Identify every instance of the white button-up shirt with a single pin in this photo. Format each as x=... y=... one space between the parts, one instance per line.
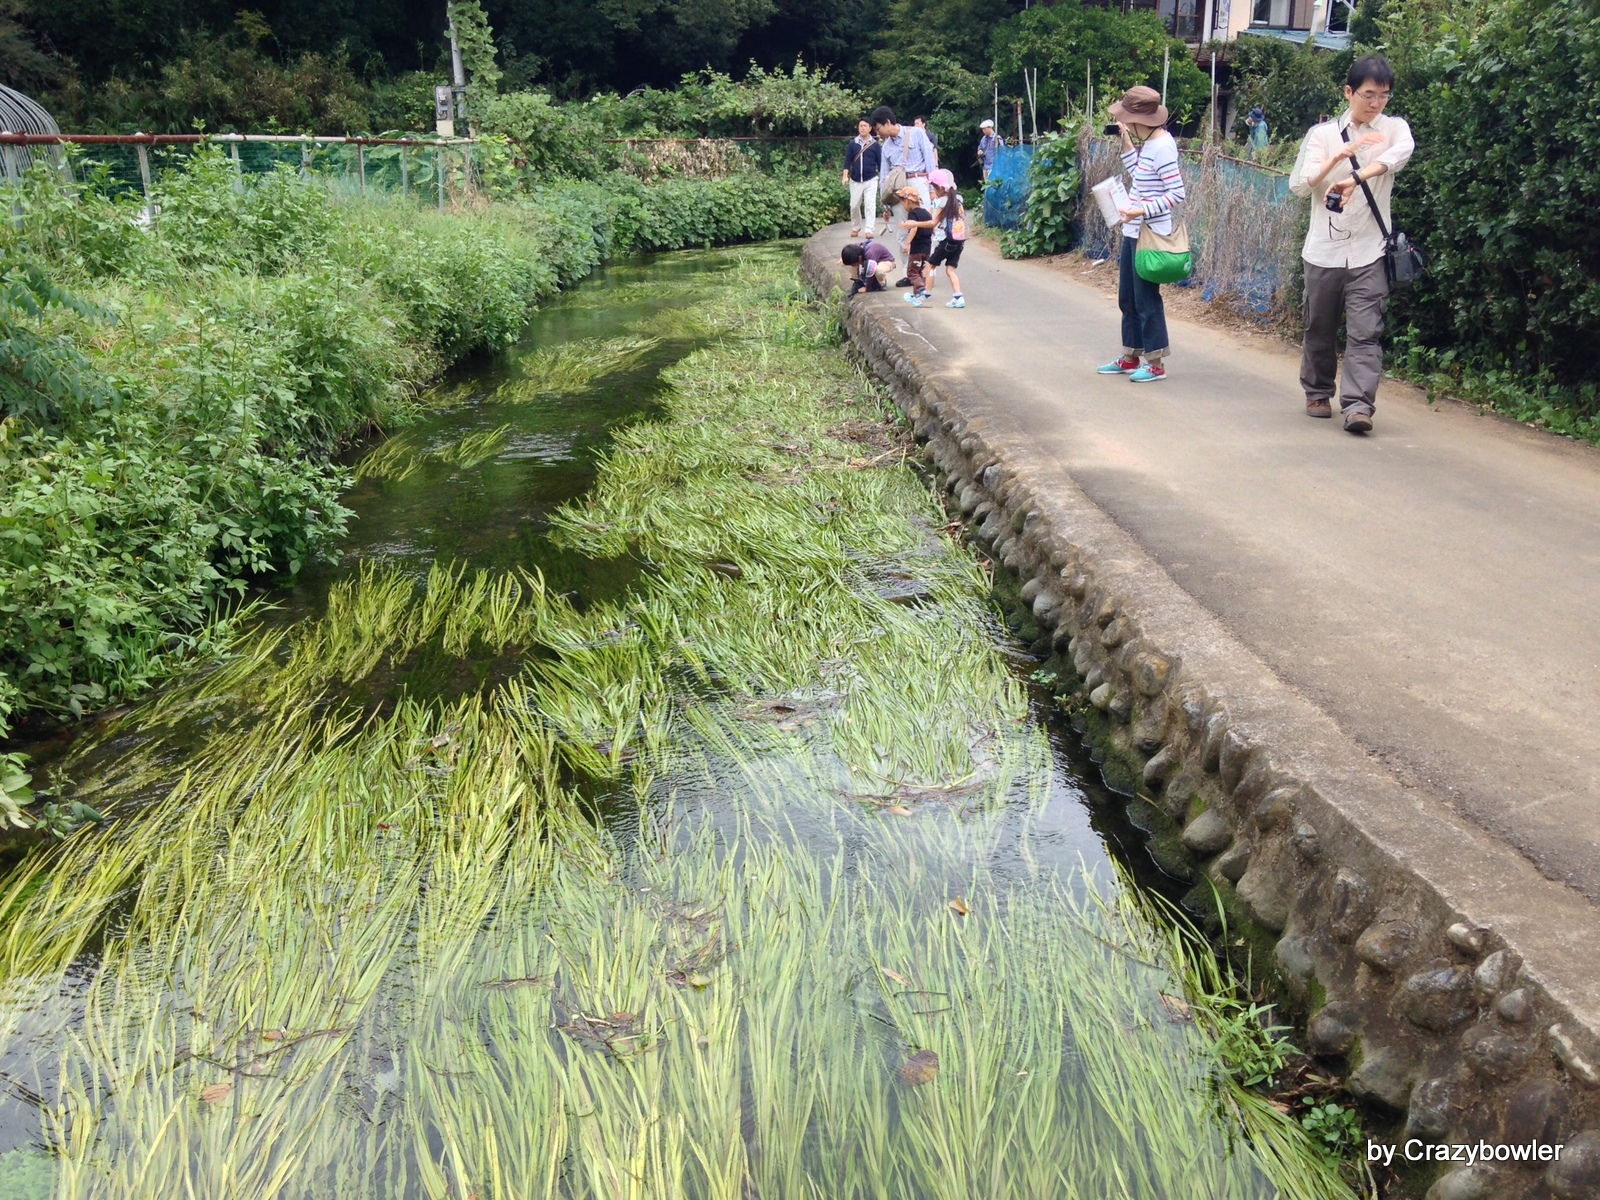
x=1350 y=238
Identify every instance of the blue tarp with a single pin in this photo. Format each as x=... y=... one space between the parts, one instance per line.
x=1006 y=195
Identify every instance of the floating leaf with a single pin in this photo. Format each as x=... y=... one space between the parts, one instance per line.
x=216 y=1093
x=1177 y=1008
x=920 y=1068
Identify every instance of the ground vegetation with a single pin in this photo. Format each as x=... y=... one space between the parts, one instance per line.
x=822 y=958
x=176 y=392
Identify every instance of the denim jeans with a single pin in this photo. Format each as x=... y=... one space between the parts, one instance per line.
x=1144 y=317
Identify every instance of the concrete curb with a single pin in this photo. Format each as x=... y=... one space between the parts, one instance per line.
x=1453 y=982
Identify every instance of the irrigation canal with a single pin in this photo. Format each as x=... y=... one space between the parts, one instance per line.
x=649 y=803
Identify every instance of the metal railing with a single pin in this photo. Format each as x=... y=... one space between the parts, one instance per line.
x=403 y=151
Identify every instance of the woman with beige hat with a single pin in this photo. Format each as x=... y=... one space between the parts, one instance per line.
x=1150 y=156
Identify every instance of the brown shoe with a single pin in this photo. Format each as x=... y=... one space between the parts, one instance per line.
x=1318 y=408
x=1356 y=421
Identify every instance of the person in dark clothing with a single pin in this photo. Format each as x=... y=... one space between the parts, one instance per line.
x=873 y=264
x=919 y=241
x=861 y=161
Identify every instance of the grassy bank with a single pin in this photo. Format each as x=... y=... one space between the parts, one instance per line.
x=174 y=395
x=382 y=948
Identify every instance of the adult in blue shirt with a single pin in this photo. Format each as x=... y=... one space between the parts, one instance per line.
x=906 y=151
x=861 y=158
x=988 y=147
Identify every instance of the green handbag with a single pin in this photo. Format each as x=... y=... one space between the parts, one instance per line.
x=1163 y=257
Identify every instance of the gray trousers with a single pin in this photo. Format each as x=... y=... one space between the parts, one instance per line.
x=1359 y=295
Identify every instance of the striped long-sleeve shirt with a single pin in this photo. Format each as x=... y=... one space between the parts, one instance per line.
x=1157 y=183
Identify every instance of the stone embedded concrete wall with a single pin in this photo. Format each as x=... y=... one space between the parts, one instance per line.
x=1452 y=983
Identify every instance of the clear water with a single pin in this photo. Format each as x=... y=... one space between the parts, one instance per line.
x=1049 y=822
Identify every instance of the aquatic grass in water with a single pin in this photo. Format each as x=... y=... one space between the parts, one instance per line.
x=371 y=944
x=399 y=458
x=572 y=367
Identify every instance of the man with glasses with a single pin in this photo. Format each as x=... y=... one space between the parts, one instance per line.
x=1344 y=247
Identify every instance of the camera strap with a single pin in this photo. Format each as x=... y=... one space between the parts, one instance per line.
x=1388 y=238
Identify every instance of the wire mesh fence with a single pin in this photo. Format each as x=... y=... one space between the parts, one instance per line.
x=1245 y=227
x=433 y=170
x=1005 y=196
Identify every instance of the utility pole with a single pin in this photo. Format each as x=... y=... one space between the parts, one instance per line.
x=458 y=73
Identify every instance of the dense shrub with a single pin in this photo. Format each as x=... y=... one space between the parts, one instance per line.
x=1055 y=183
x=173 y=397
x=700 y=212
x=1503 y=193
x=1296 y=86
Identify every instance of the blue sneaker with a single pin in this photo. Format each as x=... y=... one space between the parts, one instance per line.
x=1123 y=366
x=957 y=302
x=917 y=299
x=1148 y=374
x=913 y=297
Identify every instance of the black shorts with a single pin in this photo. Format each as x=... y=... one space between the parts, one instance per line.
x=947 y=253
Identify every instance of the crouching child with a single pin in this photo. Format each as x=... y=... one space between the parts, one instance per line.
x=871 y=263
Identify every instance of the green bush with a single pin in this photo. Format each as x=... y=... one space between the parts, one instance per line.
x=1294 y=85
x=747 y=207
x=1054 y=185
x=173 y=398
x=1064 y=40
x=1502 y=196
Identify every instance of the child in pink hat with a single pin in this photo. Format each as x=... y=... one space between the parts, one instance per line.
x=950 y=232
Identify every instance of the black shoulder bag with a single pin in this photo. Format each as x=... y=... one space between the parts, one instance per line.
x=1402 y=261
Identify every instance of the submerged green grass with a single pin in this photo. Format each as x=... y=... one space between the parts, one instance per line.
x=370 y=944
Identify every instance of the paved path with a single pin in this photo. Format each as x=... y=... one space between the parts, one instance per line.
x=1434 y=587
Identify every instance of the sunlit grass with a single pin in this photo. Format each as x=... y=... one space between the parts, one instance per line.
x=572 y=367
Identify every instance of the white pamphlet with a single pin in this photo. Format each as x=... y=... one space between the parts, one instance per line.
x=1112 y=198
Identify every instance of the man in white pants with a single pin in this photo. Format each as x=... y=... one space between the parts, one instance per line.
x=861 y=158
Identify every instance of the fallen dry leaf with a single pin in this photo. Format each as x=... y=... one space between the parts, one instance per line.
x=1177 y=1009
x=216 y=1093
x=959 y=907
x=920 y=1068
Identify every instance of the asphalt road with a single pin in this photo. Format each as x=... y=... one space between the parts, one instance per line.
x=1433 y=586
